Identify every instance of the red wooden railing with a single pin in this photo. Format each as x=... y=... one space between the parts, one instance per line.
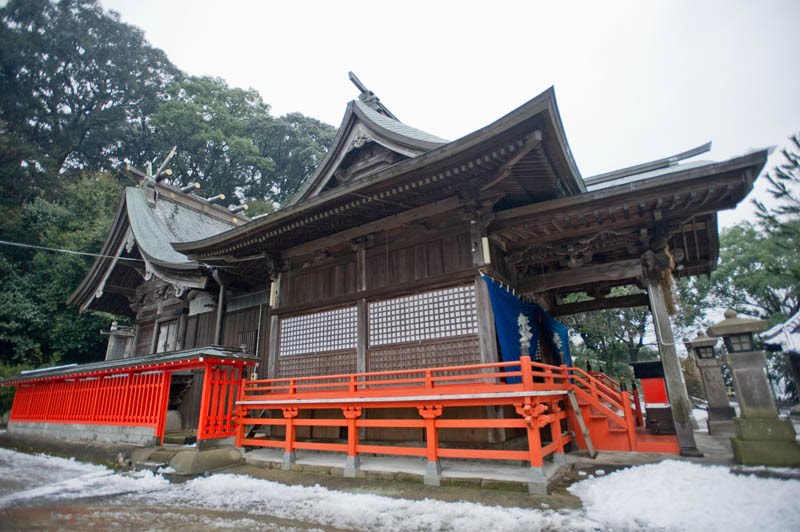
x=130 y=399
x=135 y=394
x=539 y=401
x=220 y=389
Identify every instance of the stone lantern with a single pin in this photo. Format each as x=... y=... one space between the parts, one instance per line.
x=720 y=412
x=762 y=438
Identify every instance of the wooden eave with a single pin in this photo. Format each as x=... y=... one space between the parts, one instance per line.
x=615 y=224
x=469 y=162
x=119 y=278
x=355 y=120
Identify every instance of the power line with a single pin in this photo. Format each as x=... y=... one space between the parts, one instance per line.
x=68 y=251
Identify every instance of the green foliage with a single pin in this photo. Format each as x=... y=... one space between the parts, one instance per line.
x=784 y=180
x=82 y=93
x=611 y=339
x=7 y=392
x=228 y=142
x=36 y=326
x=72 y=77
x=758 y=274
x=691 y=375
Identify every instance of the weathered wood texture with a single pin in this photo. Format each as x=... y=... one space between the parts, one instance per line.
x=430 y=353
x=333 y=363
x=199 y=330
x=387 y=266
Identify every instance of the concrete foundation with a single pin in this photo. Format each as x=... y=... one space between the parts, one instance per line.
x=351 y=465
x=90 y=433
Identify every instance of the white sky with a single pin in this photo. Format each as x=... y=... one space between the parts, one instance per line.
x=635 y=81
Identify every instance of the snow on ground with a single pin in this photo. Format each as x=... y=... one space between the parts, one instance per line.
x=685 y=496
x=671 y=496
x=37 y=477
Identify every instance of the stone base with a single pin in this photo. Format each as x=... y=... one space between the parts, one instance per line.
x=85 y=432
x=723 y=427
x=433 y=474
x=766 y=452
x=766 y=428
x=721 y=413
x=659 y=420
x=769 y=441
x=351 y=466
x=195 y=462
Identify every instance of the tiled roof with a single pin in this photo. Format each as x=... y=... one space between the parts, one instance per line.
x=397 y=127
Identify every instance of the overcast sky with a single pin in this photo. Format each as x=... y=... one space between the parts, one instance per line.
x=634 y=81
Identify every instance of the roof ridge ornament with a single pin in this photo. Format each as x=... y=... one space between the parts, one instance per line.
x=370 y=98
x=150 y=178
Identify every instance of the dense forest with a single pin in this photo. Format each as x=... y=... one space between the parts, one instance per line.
x=83 y=93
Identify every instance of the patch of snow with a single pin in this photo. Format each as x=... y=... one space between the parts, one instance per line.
x=31 y=477
x=318 y=505
x=600 y=472
x=168 y=469
x=680 y=496
x=668 y=496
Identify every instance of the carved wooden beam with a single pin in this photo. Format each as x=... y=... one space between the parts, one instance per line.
x=402 y=218
x=533 y=140
x=632 y=300
x=614 y=271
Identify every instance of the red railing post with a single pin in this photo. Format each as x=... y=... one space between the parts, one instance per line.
x=630 y=420
x=351 y=465
x=205 y=403
x=163 y=404
x=433 y=468
x=534 y=421
x=527 y=372
x=289 y=456
x=637 y=401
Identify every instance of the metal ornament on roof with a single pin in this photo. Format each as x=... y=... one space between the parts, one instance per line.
x=149 y=177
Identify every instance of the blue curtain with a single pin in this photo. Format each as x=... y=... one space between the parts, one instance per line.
x=507 y=307
x=557 y=335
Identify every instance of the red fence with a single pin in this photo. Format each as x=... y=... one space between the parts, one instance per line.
x=133 y=399
x=220 y=389
x=539 y=404
x=133 y=395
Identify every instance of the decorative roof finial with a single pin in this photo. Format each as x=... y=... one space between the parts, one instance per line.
x=369 y=97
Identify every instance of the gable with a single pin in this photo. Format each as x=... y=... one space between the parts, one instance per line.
x=367 y=142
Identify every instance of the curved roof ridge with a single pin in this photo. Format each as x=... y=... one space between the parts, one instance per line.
x=396 y=126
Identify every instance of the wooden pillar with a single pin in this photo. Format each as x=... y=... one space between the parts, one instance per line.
x=180 y=339
x=673 y=374
x=486 y=332
x=220 y=315
x=362 y=309
x=273 y=348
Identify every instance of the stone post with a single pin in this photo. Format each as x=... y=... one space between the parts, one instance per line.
x=762 y=438
x=720 y=412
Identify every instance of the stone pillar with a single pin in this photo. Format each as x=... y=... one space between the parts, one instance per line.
x=762 y=438
x=720 y=412
x=673 y=374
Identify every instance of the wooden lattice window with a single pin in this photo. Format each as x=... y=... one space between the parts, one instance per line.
x=331 y=330
x=425 y=316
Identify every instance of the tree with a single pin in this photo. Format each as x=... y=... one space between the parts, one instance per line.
x=758 y=274
x=229 y=143
x=72 y=77
x=614 y=337
x=36 y=326
x=784 y=182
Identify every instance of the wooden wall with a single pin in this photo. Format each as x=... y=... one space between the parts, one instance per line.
x=387 y=265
